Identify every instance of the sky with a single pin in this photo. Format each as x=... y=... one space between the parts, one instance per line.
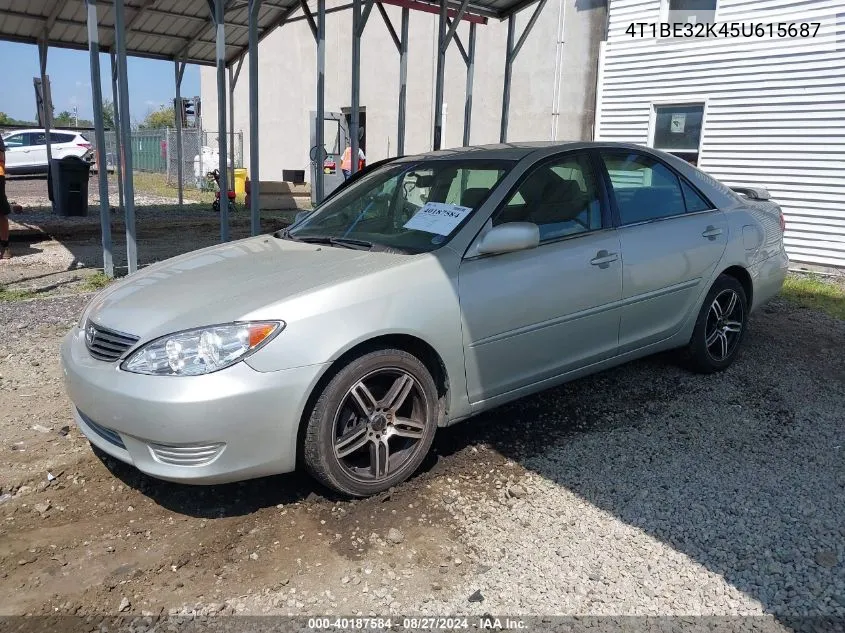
x=151 y=82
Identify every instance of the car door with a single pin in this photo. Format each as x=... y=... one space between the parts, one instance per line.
x=17 y=151
x=671 y=238
x=38 y=150
x=62 y=145
x=532 y=315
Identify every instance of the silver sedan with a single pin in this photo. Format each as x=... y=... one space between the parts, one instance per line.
x=426 y=290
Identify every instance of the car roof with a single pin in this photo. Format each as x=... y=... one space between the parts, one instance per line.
x=40 y=129
x=518 y=151
x=718 y=193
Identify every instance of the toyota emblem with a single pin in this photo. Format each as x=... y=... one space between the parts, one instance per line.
x=90 y=332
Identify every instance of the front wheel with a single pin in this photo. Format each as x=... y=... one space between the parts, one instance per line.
x=373 y=423
x=720 y=327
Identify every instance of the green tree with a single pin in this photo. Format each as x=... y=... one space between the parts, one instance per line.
x=63 y=119
x=155 y=119
x=108 y=114
x=5 y=119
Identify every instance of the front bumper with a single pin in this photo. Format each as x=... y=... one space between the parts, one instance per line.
x=234 y=424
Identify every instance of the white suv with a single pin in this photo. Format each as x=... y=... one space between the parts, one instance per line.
x=26 y=150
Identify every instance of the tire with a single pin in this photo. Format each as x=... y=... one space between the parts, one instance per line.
x=373 y=423
x=719 y=328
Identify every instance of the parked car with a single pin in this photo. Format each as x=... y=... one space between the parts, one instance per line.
x=432 y=288
x=26 y=150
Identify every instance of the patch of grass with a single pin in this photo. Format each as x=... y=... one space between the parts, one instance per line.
x=816 y=292
x=156 y=184
x=16 y=295
x=97 y=281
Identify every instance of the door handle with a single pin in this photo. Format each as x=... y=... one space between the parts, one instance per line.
x=711 y=232
x=603 y=259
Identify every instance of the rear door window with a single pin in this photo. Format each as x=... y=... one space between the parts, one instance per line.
x=694 y=201
x=644 y=188
x=61 y=138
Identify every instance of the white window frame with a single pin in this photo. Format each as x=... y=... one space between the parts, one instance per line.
x=662 y=103
x=664 y=11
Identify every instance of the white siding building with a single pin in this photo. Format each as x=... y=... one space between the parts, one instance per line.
x=750 y=110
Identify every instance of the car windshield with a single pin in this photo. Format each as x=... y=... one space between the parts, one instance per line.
x=412 y=207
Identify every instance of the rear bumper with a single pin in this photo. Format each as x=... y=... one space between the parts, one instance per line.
x=234 y=424
x=768 y=277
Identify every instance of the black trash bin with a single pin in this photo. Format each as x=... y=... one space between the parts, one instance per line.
x=68 y=184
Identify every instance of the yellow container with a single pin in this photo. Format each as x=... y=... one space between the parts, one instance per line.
x=240 y=184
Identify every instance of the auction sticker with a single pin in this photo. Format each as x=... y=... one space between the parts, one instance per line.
x=438 y=218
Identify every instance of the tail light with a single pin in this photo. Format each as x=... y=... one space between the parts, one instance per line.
x=782 y=223
x=85 y=145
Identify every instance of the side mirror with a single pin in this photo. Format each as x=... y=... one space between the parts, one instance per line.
x=509 y=237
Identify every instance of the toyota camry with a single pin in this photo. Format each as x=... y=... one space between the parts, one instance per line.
x=426 y=290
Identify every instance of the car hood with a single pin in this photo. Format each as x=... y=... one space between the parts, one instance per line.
x=228 y=282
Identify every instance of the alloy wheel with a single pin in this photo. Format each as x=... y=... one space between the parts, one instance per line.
x=724 y=325
x=380 y=424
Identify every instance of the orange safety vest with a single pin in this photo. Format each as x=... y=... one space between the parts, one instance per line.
x=346 y=160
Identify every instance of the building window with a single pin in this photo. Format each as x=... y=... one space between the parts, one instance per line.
x=677 y=130
x=692 y=11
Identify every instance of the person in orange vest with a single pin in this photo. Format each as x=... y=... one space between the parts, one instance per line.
x=346 y=161
x=5 y=209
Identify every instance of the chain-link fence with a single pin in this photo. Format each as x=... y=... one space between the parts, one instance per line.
x=155 y=151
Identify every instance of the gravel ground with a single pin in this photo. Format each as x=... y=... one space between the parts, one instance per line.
x=644 y=490
x=53 y=253
x=31 y=191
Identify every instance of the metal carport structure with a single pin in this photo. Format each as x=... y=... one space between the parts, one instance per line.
x=221 y=33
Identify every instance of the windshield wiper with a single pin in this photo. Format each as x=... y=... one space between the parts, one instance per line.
x=343 y=242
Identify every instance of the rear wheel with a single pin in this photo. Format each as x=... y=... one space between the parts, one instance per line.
x=373 y=424
x=720 y=327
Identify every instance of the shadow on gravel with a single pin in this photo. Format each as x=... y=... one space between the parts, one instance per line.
x=743 y=472
x=220 y=501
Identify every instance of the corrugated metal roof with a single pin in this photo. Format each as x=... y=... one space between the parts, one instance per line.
x=168 y=29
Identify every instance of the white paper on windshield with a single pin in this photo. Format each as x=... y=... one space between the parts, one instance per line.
x=438 y=218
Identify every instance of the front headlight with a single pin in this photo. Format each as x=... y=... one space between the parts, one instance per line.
x=201 y=351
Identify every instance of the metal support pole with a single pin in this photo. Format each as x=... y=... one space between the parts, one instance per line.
x=46 y=98
x=254 y=183
x=403 y=80
x=470 y=75
x=125 y=131
x=221 y=119
x=179 y=69
x=506 y=91
x=321 y=100
x=232 y=81
x=116 y=131
x=356 y=83
x=99 y=135
x=441 y=70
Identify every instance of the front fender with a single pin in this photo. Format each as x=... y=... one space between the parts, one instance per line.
x=417 y=299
